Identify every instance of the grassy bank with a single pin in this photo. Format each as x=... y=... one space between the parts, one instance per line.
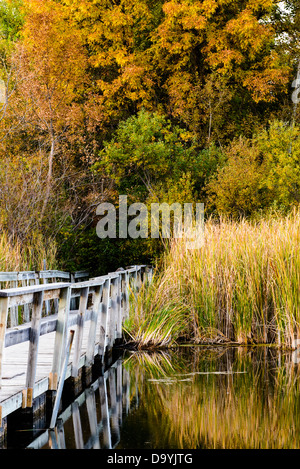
x=242 y=286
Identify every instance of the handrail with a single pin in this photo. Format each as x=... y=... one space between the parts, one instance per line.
x=103 y=301
x=25 y=278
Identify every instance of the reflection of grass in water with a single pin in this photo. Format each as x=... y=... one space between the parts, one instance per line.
x=253 y=403
x=156 y=365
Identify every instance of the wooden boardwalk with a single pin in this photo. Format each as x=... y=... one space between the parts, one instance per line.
x=33 y=354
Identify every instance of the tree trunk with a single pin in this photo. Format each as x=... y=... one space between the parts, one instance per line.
x=49 y=176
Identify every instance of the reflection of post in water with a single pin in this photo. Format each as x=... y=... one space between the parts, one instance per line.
x=115 y=429
x=77 y=426
x=126 y=390
x=92 y=415
x=57 y=436
x=104 y=413
x=119 y=390
x=96 y=412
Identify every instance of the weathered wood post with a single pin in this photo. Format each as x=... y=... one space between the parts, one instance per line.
x=125 y=295
x=114 y=306
x=119 y=319
x=14 y=310
x=4 y=302
x=149 y=273
x=61 y=380
x=57 y=436
x=60 y=336
x=138 y=278
x=25 y=282
x=73 y=300
x=96 y=313
x=33 y=349
x=105 y=318
x=44 y=281
x=84 y=292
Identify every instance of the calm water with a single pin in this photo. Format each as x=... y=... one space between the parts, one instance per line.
x=192 y=397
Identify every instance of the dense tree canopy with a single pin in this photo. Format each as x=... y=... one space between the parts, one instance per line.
x=161 y=100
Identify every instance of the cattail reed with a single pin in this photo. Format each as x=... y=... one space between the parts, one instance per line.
x=242 y=286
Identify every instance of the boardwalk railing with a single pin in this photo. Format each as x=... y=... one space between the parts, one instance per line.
x=19 y=315
x=103 y=307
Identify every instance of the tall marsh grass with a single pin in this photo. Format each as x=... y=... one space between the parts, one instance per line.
x=242 y=286
x=15 y=257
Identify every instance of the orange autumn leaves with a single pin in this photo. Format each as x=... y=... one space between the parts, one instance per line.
x=143 y=53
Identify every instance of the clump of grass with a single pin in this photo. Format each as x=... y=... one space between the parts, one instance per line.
x=156 y=324
x=16 y=257
x=241 y=286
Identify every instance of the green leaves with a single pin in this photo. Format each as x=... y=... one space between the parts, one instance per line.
x=145 y=151
x=260 y=173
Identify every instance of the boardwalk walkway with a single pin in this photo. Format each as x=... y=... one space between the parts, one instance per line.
x=32 y=354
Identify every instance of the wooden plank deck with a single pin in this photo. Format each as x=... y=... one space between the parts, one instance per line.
x=14 y=367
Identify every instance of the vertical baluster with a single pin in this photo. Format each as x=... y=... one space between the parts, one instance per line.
x=33 y=348
x=4 y=303
x=44 y=281
x=60 y=336
x=26 y=315
x=149 y=273
x=114 y=315
x=96 y=311
x=55 y=301
x=73 y=300
x=119 y=309
x=57 y=437
x=14 y=310
x=126 y=292
x=104 y=318
x=84 y=292
x=138 y=278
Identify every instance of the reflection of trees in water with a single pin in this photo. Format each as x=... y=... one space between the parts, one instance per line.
x=189 y=397
x=223 y=398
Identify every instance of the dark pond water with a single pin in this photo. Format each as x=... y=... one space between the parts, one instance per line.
x=187 y=398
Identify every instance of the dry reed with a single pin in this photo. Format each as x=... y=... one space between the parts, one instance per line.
x=242 y=285
x=15 y=257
